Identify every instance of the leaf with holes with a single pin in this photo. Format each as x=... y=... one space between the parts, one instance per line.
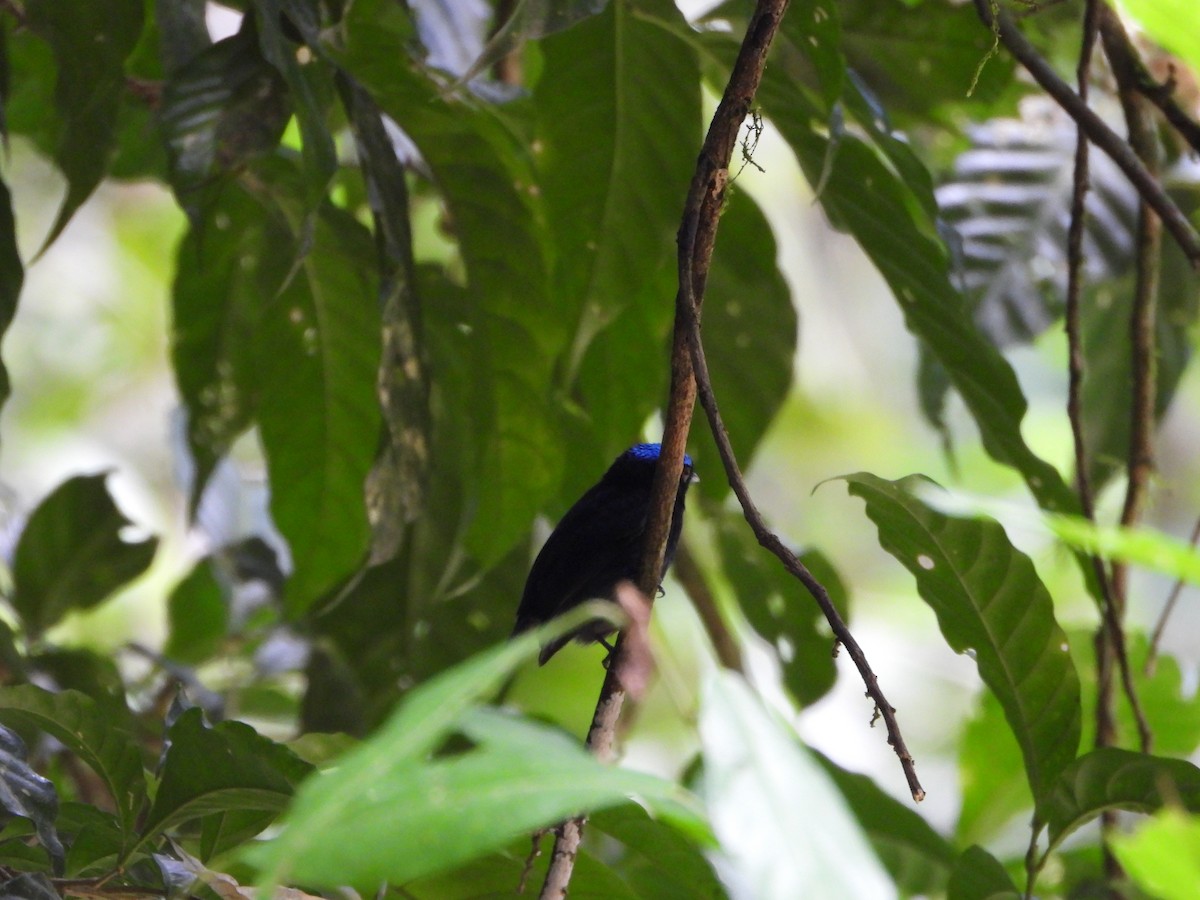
x=989 y=601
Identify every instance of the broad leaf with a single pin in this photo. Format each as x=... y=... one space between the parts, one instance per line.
x=1111 y=778
x=654 y=859
x=917 y=857
x=71 y=554
x=991 y=772
x=979 y=876
x=988 y=600
x=748 y=314
x=1162 y=857
x=763 y=791
x=390 y=812
x=197 y=615
x=90 y=42
x=89 y=731
x=215 y=771
x=619 y=100
x=25 y=793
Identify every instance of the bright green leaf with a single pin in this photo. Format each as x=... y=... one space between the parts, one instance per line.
x=71 y=554
x=988 y=600
x=1140 y=545
x=1163 y=855
x=1173 y=23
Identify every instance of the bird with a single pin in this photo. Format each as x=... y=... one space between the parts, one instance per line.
x=598 y=544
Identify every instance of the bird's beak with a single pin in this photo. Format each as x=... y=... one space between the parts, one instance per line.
x=693 y=478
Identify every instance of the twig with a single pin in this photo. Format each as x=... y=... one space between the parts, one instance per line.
x=697 y=233
x=771 y=542
x=1160 y=627
x=1100 y=134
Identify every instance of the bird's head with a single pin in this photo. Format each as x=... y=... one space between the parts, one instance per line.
x=648 y=454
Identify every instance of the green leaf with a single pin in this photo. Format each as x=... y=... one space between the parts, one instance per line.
x=71 y=555
x=779 y=611
x=889 y=218
x=317 y=355
x=979 y=876
x=618 y=125
x=94 y=837
x=1173 y=23
x=814 y=28
x=1140 y=545
x=89 y=731
x=90 y=41
x=390 y=812
x=748 y=313
x=29 y=886
x=917 y=857
x=992 y=774
x=214 y=771
x=1111 y=778
x=654 y=859
x=25 y=793
x=480 y=167
x=12 y=274
x=225 y=106
x=762 y=790
x=923 y=59
x=197 y=616
x=989 y=600
x=1162 y=857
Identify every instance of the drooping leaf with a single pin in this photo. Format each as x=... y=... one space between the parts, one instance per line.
x=93 y=733
x=619 y=99
x=989 y=600
x=889 y=218
x=390 y=812
x=991 y=771
x=90 y=43
x=978 y=875
x=485 y=178
x=71 y=554
x=748 y=314
x=1111 y=778
x=918 y=858
x=25 y=793
x=762 y=790
x=219 y=770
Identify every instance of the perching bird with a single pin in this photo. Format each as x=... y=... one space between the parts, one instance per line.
x=597 y=544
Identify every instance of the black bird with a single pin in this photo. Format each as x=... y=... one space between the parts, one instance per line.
x=597 y=544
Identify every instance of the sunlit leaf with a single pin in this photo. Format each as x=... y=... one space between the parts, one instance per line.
x=1173 y=23
x=71 y=554
x=1163 y=855
x=990 y=601
x=784 y=829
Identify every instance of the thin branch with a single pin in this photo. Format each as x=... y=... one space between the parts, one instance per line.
x=1160 y=627
x=697 y=234
x=771 y=542
x=1142 y=330
x=1101 y=135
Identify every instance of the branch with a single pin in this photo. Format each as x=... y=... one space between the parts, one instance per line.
x=697 y=233
x=1098 y=133
x=770 y=541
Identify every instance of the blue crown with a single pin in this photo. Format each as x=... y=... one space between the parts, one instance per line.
x=650 y=452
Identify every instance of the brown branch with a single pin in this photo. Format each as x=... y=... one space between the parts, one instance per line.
x=1142 y=328
x=1160 y=627
x=1148 y=187
x=770 y=541
x=697 y=234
